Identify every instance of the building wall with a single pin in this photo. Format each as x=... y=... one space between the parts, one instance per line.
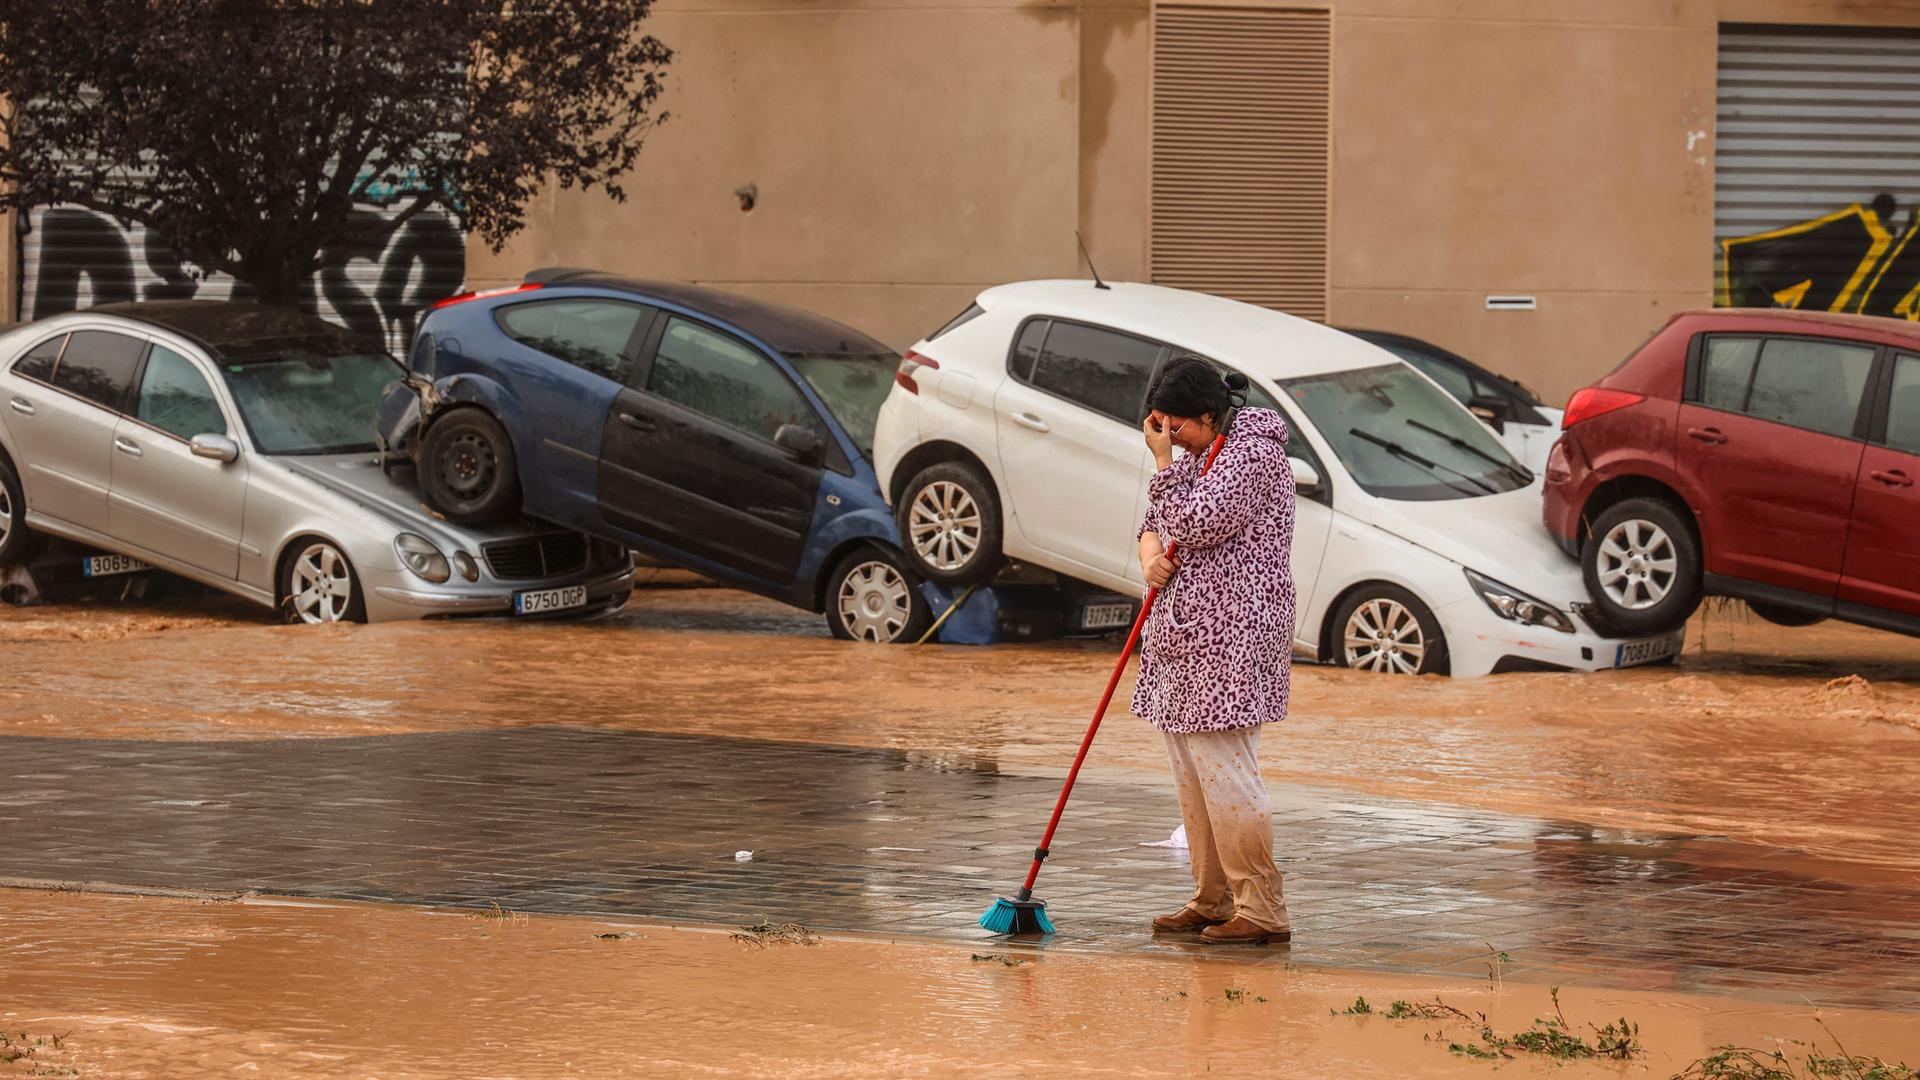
x=910 y=152
x=907 y=153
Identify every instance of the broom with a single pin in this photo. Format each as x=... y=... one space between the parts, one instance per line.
x=1022 y=914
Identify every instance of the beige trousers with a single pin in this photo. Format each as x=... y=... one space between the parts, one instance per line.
x=1223 y=801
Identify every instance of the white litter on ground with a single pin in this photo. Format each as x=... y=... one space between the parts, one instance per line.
x=1177 y=840
x=743 y=856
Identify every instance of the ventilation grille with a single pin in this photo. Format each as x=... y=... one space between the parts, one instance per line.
x=1240 y=154
x=537 y=557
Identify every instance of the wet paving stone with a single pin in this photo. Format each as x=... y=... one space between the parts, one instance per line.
x=643 y=824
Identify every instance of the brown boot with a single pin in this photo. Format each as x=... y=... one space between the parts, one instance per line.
x=1184 y=921
x=1240 y=931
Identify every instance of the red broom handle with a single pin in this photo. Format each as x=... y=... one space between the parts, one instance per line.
x=1119 y=668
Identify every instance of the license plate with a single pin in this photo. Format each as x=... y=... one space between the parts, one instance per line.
x=1631 y=653
x=1104 y=616
x=545 y=600
x=109 y=565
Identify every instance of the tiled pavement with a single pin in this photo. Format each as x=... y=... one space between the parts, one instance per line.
x=642 y=824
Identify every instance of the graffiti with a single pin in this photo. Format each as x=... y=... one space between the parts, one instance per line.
x=1854 y=259
x=75 y=258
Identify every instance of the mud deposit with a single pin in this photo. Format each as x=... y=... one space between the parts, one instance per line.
x=146 y=987
x=1806 y=740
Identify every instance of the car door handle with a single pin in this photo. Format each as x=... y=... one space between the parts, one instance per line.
x=638 y=424
x=22 y=406
x=1892 y=477
x=127 y=447
x=1030 y=421
x=1707 y=435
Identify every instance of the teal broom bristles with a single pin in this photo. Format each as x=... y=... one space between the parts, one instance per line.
x=1017 y=917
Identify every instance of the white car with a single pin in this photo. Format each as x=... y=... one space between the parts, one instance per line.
x=1014 y=431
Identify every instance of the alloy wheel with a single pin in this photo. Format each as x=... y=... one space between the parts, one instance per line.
x=322 y=585
x=1637 y=564
x=1382 y=635
x=945 y=525
x=876 y=602
x=6 y=513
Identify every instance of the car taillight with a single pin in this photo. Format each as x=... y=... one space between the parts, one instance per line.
x=1597 y=401
x=911 y=363
x=461 y=298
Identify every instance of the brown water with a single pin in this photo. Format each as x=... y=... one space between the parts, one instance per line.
x=144 y=987
x=1806 y=739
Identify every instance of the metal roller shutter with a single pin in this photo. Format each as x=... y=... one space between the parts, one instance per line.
x=72 y=258
x=1240 y=98
x=1817 y=170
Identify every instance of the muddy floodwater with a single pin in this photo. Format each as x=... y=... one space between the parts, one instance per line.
x=1806 y=740
x=146 y=987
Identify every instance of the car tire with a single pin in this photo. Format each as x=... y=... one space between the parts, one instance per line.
x=1385 y=628
x=1784 y=616
x=873 y=597
x=467 y=468
x=949 y=523
x=17 y=542
x=1641 y=564
x=318 y=585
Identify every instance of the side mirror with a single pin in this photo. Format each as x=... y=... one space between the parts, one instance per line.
x=1306 y=478
x=215 y=448
x=802 y=442
x=1492 y=409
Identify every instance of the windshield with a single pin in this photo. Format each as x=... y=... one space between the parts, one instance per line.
x=1403 y=438
x=854 y=388
x=312 y=403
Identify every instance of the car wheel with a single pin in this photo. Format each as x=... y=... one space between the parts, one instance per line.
x=1387 y=629
x=17 y=542
x=873 y=597
x=468 y=471
x=319 y=586
x=1642 y=567
x=1784 y=616
x=950 y=524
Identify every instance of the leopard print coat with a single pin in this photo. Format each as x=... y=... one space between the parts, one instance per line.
x=1216 y=653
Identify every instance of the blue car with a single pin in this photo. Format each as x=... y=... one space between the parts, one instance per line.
x=720 y=433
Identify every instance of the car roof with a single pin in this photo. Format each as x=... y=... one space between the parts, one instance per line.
x=1255 y=340
x=1807 y=320
x=232 y=329
x=787 y=329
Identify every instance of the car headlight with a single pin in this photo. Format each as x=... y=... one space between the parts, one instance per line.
x=419 y=555
x=1512 y=604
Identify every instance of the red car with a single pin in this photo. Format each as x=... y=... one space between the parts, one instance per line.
x=1765 y=455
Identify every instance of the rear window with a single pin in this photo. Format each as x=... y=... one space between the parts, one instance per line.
x=1800 y=382
x=99 y=366
x=973 y=312
x=1104 y=370
x=38 y=362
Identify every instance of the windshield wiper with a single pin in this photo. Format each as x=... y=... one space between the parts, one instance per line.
x=1433 y=467
x=1508 y=466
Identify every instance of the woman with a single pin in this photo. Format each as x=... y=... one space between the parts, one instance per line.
x=1216 y=654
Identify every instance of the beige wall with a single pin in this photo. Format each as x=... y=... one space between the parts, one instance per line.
x=907 y=155
x=911 y=152
x=1551 y=148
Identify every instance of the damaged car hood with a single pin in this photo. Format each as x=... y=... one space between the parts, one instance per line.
x=1499 y=536
x=359 y=477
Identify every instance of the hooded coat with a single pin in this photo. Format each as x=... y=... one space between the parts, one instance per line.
x=1216 y=653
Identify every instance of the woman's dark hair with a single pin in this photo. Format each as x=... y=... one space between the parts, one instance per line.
x=1192 y=386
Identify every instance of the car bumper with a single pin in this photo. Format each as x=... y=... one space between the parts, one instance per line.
x=401 y=596
x=1482 y=643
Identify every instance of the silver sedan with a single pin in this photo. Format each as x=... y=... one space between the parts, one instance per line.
x=233 y=444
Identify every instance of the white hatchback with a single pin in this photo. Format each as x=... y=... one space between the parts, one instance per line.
x=1014 y=431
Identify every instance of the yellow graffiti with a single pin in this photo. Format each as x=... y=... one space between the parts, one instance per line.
x=1881 y=238
x=1793 y=294
x=1906 y=307
x=1864 y=259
